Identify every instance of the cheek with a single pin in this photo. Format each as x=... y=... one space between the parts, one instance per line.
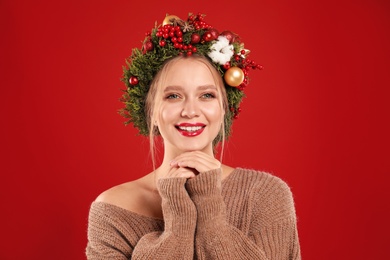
x=167 y=113
x=214 y=113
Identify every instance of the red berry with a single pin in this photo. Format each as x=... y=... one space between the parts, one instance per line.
x=162 y=43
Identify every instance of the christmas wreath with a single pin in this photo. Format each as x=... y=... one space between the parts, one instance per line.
x=178 y=37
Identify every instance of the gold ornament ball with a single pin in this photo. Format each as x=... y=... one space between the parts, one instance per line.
x=168 y=18
x=234 y=76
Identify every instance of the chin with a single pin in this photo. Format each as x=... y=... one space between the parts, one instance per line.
x=187 y=147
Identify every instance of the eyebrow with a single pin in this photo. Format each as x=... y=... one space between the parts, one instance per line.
x=176 y=88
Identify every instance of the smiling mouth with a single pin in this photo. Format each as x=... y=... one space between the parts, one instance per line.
x=190 y=130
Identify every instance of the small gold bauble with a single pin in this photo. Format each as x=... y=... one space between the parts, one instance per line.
x=168 y=19
x=234 y=76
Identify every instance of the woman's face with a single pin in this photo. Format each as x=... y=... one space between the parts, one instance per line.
x=190 y=115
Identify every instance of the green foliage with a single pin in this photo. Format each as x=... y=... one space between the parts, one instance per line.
x=144 y=65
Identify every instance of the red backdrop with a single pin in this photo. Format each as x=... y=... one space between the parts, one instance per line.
x=317 y=116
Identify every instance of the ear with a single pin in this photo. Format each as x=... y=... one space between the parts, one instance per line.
x=153 y=120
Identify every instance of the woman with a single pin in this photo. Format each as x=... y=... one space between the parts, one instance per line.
x=191 y=206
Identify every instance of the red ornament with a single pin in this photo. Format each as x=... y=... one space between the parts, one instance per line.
x=210 y=35
x=214 y=33
x=148 y=46
x=229 y=35
x=195 y=38
x=207 y=37
x=133 y=80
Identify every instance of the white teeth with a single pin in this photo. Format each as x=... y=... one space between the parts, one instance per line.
x=190 y=128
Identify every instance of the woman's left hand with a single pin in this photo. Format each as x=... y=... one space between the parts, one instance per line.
x=199 y=161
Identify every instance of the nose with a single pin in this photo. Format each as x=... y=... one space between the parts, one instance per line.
x=191 y=109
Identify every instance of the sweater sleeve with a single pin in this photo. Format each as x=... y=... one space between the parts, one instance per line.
x=116 y=239
x=177 y=240
x=271 y=238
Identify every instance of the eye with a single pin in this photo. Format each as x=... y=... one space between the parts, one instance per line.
x=208 y=96
x=172 y=96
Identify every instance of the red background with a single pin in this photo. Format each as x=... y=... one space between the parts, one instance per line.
x=317 y=116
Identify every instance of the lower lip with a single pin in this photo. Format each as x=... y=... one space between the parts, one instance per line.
x=190 y=134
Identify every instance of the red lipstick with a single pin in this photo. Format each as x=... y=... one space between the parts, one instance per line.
x=190 y=129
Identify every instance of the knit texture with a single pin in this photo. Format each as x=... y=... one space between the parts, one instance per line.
x=248 y=215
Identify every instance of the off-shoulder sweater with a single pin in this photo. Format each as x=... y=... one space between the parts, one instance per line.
x=248 y=215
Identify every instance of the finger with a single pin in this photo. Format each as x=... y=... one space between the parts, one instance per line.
x=196 y=160
x=196 y=155
x=177 y=172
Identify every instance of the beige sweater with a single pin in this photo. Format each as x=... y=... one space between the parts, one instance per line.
x=249 y=215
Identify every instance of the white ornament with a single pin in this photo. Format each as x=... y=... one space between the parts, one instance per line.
x=221 y=51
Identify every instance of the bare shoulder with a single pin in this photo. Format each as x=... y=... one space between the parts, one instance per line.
x=120 y=195
x=137 y=196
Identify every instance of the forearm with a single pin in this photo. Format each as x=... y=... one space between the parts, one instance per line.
x=268 y=230
x=177 y=239
x=223 y=241
x=215 y=238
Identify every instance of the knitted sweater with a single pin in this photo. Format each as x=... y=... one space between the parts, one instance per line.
x=248 y=215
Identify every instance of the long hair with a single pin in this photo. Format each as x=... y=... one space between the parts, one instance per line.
x=154 y=100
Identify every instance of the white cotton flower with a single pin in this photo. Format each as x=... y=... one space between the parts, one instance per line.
x=221 y=51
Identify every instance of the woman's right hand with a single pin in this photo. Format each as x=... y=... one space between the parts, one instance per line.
x=177 y=172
